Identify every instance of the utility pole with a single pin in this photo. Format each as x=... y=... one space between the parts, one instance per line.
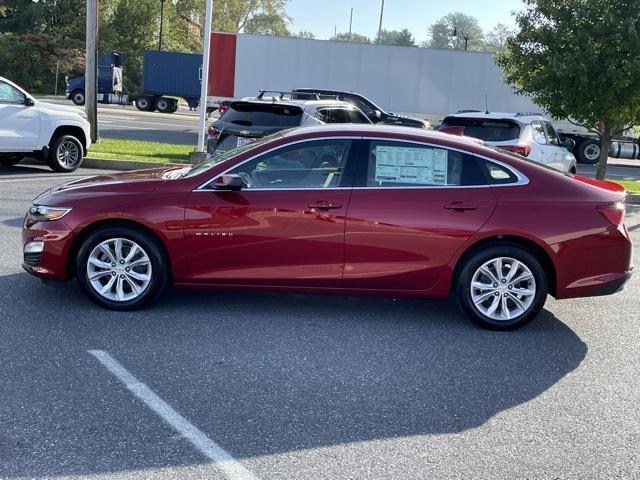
x=161 y=24
x=380 y=24
x=91 y=69
x=350 y=23
x=201 y=153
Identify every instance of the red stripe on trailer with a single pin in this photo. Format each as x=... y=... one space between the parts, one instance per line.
x=222 y=65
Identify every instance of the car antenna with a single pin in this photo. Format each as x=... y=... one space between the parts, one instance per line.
x=486 y=104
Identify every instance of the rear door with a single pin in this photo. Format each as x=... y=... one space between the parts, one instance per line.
x=285 y=227
x=413 y=205
x=560 y=155
x=540 y=151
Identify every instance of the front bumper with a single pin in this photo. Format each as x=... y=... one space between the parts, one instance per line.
x=51 y=263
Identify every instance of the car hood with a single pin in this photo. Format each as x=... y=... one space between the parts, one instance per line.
x=54 y=107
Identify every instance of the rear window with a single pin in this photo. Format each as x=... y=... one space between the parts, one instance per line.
x=489 y=130
x=251 y=114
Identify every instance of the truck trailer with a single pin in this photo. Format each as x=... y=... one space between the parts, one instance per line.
x=166 y=77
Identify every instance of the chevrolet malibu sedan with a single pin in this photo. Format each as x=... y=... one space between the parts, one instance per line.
x=351 y=209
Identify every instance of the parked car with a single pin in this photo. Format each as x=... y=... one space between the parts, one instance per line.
x=252 y=118
x=527 y=134
x=370 y=109
x=55 y=133
x=394 y=211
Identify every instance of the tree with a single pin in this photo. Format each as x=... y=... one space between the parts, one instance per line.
x=579 y=59
x=355 y=38
x=441 y=32
x=496 y=39
x=303 y=34
x=267 y=24
x=402 y=38
x=56 y=18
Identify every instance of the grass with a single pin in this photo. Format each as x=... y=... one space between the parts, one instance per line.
x=631 y=186
x=140 y=151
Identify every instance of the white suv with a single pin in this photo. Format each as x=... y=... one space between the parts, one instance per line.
x=55 y=133
x=527 y=134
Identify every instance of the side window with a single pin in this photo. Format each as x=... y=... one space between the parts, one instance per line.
x=356 y=116
x=538 y=133
x=9 y=94
x=317 y=164
x=497 y=174
x=551 y=133
x=397 y=164
x=338 y=115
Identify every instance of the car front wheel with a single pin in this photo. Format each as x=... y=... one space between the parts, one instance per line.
x=121 y=268
x=65 y=154
x=502 y=287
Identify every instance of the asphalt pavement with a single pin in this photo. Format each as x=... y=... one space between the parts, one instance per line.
x=306 y=387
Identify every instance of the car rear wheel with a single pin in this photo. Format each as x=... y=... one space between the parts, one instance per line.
x=65 y=154
x=121 y=268
x=502 y=287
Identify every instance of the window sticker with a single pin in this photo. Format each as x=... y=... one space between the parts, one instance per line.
x=420 y=166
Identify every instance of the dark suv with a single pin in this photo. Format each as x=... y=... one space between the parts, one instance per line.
x=247 y=120
x=370 y=109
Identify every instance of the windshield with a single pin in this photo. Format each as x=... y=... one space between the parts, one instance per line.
x=229 y=154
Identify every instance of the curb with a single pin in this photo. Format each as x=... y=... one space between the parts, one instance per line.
x=632 y=199
x=109 y=164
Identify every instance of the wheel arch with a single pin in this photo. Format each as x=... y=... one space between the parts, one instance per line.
x=89 y=228
x=71 y=130
x=527 y=244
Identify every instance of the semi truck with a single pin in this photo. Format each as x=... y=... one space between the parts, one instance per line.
x=166 y=78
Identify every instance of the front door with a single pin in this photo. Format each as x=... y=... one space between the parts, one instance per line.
x=19 y=123
x=286 y=225
x=413 y=206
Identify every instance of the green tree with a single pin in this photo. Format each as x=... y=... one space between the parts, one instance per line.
x=355 y=38
x=304 y=34
x=267 y=24
x=441 y=32
x=402 y=38
x=56 y=18
x=496 y=39
x=579 y=59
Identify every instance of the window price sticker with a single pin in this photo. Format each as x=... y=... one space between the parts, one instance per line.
x=420 y=166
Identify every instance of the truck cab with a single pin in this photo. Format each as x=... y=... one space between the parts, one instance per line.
x=29 y=127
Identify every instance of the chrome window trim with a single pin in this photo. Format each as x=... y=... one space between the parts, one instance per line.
x=521 y=178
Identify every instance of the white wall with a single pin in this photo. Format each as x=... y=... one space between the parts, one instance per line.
x=401 y=79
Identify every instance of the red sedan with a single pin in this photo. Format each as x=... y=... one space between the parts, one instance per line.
x=340 y=209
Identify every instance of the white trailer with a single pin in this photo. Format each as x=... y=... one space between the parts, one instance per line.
x=423 y=82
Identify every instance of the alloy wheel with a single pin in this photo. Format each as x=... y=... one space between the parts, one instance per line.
x=68 y=153
x=119 y=269
x=503 y=288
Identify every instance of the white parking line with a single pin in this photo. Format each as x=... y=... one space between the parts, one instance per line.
x=210 y=449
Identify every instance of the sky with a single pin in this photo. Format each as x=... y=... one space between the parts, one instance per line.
x=320 y=16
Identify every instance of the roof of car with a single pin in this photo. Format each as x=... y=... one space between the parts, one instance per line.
x=524 y=117
x=297 y=103
x=371 y=130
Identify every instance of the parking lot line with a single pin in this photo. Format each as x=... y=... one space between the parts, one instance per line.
x=231 y=468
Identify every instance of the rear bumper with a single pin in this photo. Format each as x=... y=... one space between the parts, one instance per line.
x=611 y=287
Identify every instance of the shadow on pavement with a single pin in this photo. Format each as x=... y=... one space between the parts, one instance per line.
x=259 y=373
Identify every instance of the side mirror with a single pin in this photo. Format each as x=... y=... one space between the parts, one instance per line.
x=228 y=182
x=569 y=144
x=378 y=114
x=29 y=102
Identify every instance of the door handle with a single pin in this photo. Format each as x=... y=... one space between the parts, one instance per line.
x=324 y=205
x=460 y=206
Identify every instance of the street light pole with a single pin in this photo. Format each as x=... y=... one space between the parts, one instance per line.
x=200 y=150
x=91 y=70
x=161 y=24
x=350 y=23
x=380 y=24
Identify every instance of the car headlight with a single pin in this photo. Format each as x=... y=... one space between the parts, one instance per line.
x=42 y=213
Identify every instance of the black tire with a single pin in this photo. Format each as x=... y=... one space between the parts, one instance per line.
x=152 y=248
x=478 y=259
x=77 y=97
x=588 y=152
x=10 y=160
x=145 y=104
x=166 y=105
x=58 y=146
x=174 y=108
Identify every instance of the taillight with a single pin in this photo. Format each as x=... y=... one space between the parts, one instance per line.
x=213 y=131
x=223 y=107
x=523 y=150
x=614 y=213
